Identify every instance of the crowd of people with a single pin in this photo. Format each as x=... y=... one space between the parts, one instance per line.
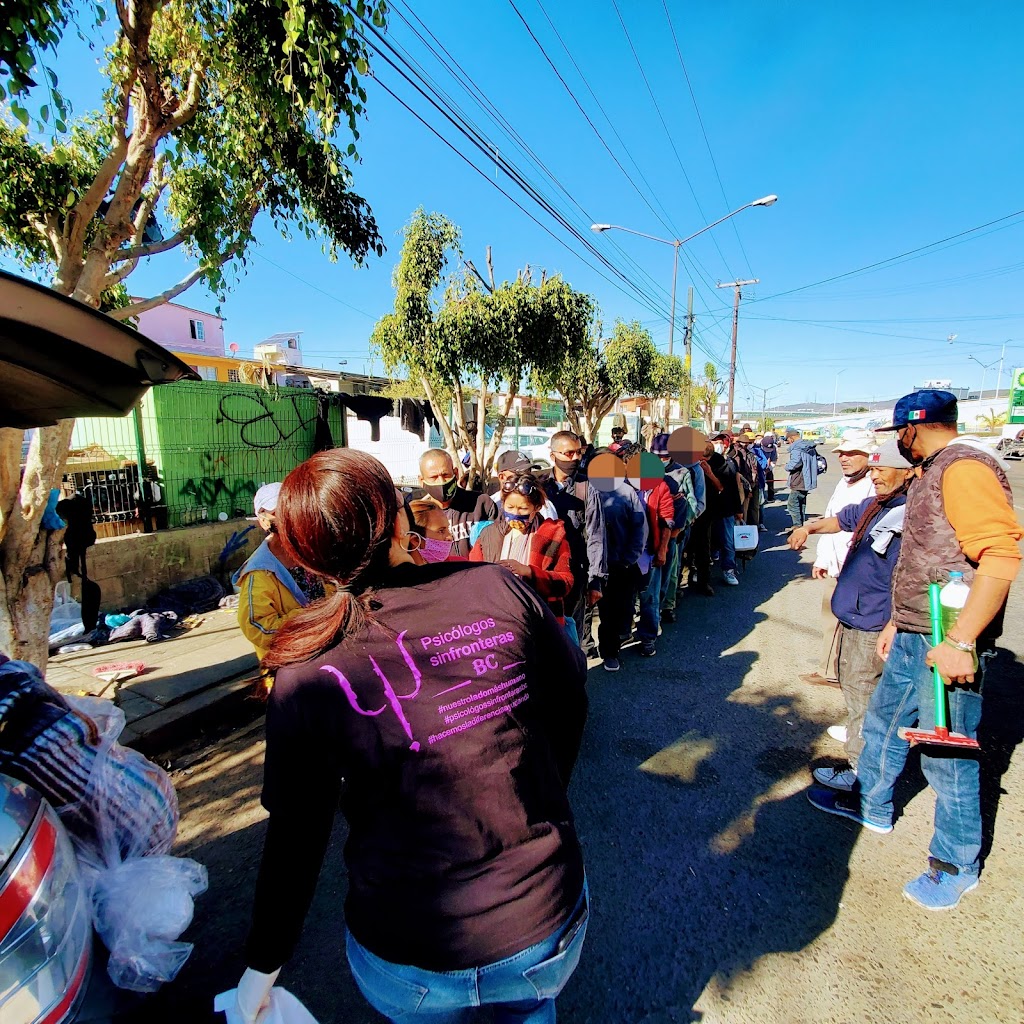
x=443 y=702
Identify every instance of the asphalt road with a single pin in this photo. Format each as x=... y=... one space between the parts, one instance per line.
x=719 y=895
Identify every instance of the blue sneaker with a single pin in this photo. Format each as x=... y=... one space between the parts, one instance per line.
x=940 y=887
x=846 y=805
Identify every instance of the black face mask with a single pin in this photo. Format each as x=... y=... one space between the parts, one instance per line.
x=443 y=492
x=914 y=460
x=567 y=466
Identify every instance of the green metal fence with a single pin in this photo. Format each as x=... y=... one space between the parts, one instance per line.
x=206 y=448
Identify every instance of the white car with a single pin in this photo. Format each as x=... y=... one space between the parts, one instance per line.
x=534 y=443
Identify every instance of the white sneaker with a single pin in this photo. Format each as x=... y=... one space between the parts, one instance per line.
x=836 y=778
x=838 y=733
x=729 y=576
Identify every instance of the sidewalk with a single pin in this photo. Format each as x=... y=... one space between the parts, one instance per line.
x=187 y=682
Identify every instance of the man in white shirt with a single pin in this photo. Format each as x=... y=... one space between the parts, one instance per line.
x=854 y=486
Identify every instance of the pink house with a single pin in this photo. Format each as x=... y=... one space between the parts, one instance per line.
x=183 y=329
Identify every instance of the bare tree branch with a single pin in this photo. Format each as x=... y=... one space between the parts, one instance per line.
x=480 y=277
x=188 y=107
x=137 y=252
x=158 y=300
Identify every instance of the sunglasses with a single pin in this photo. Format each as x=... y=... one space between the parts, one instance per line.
x=572 y=453
x=523 y=487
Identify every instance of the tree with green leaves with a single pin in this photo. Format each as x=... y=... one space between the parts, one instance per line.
x=668 y=378
x=592 y=378
x=706 y=395
x=213 y=112
x=450 y=333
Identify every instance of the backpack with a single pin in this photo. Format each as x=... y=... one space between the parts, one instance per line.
x=822 y=464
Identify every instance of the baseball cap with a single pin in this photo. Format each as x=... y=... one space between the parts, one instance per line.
x=888 y=456
x=265 y=498
x=925 y=406
x=857 y=441
x=659 y=444
x=513 y=462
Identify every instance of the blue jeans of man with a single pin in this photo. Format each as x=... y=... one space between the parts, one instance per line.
x=726 y=536
x=520 y=989
x=650 y=605
x=905 y=698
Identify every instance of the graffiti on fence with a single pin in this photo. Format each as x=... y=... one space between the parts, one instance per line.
x=206 y=490
x=253 y=415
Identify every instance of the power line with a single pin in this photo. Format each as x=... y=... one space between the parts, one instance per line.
x=664 y=124
x=707 y=141
x=309 y=284
x=920 y=250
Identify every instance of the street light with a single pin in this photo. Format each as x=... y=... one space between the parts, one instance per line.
x=985 y=367
x=764 y=396
x=835 y=394
x=676 y=243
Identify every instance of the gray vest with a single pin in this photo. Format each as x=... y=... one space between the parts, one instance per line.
x=930 y=550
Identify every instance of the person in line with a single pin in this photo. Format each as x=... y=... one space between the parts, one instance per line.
x=959 y=518
x=579 y=507
x=853 y=487
x=461 y=507
x=618 y=436
x=802 y=467
x=742 y=454
x=770 y=447
x=684 y=498
x=525 y=543
x=861 y=601
x=728 y=509
x=508 y=466
x=269 y=591
x=659 y=507
x=763 y=468
x=429 y=539
x=707 y=487
x=626 y=530
x=465 y=874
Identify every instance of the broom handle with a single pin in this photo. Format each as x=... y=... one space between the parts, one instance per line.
x=935 y=609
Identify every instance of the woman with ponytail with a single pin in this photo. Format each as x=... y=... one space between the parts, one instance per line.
x=452 y=703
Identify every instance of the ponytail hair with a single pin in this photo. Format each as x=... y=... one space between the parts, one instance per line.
x=336 y=517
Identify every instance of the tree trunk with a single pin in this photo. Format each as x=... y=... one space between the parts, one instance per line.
x=29 y=555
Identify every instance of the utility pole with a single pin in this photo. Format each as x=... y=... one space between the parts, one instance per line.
x=688 y=359
x=735 y=330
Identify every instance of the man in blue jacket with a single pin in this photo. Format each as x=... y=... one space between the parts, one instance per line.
x=803 y=474
x=862 y=601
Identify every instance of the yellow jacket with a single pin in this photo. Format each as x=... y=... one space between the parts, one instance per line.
x=268 y=595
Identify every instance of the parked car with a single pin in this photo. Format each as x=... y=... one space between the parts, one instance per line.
x=45 y=928
x=534 y=443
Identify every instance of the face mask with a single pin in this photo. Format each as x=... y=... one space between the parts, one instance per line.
x=443 y=492
x=567 y=466
x=435 y=550
x=905 y=451
x=517 y=522
x=720 y=448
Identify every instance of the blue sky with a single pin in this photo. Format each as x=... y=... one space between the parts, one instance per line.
x=882 y=128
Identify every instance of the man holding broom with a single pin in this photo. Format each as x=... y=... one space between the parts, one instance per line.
x=959 y=518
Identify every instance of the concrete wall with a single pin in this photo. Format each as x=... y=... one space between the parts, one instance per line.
x=131 y=569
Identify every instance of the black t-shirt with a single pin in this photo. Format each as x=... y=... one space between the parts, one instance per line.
x=456 y=732
x=466 y=509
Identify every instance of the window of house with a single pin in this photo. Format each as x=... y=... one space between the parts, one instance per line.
x=292 y=343
x=234 y=377
x=196 y=328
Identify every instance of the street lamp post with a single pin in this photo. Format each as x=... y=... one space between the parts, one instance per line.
x=676 y=243
x=835 y=394
x=764 y=397
x=985 y=367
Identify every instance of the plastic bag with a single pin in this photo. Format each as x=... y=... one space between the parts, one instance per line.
x=122 y=828
x=745 y=537
x=284 y=1008
x=66 y=612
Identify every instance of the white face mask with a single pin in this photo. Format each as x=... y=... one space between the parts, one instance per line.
x=720 y=448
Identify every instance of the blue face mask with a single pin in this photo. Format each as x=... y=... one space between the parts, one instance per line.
x=514 y=517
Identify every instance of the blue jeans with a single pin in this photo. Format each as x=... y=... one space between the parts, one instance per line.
x=727 y=543
x=521 y=988
x=650 y=605
x=904 y=698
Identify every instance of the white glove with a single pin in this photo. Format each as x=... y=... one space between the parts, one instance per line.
x=251 y=996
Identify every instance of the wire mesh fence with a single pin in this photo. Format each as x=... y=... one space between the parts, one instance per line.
x=205 y=448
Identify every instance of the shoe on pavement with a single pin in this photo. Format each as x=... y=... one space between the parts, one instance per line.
x=762 y=528
x=624 y=638
x=817 y=679
x=668 y=615
x=704 y=589
x=647 y=649
x=612 y=665
x=846 y=805
x=940 y=887
x=843 y=779
x=729 y=577
x=838 y=733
